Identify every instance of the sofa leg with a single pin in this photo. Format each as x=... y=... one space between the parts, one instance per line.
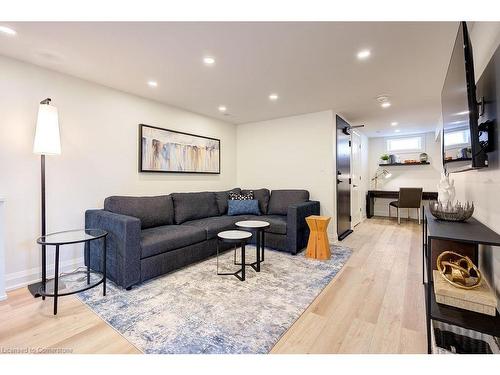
x=128 y=288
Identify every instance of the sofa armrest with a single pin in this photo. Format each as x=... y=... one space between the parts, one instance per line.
x=123 y=246
x=297 y=231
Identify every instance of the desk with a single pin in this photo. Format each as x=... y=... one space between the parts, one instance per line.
x=372 y=194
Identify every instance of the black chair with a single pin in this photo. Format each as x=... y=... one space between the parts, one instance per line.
x=408 y=198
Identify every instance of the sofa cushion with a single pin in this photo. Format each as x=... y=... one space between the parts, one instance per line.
x=214 y=225
x=241 y=197
x=192 y=206
x=281 y=199
x=243 y=207
x=159 y=240
x=262 y=195
x=222 y=197
x=152 y=211
x=277 y=222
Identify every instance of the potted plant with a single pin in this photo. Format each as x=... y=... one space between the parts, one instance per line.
x=385 y=158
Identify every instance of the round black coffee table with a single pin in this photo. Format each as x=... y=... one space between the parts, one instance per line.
x=67 y=238
x=236 y=237
x=257 y=226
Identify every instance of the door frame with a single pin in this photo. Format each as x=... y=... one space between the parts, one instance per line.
x=356 y=176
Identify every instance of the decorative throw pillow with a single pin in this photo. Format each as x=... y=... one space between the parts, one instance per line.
x=241 y=197
x=243 y=207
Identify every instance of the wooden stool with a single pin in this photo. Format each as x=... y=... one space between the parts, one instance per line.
x=318 y=246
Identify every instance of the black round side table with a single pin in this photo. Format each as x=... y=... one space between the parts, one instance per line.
x=259 y=227
x=67 y=238
x=236 y=237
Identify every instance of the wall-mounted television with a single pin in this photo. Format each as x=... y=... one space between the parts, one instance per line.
x=464 y=144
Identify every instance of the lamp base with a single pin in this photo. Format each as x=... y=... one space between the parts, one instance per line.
x=35 y=289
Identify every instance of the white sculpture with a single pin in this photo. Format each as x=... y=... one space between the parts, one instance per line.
x=446 y=190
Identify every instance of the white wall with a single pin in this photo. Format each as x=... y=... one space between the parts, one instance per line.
x=2 y=250
x=365 y=171
x=292 y=152
x=482 y=186
x=99 y=137
x=425 y=176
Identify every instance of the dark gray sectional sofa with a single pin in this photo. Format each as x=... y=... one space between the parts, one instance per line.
x=150 y=236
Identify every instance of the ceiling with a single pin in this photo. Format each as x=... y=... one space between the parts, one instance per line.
x=312 y=66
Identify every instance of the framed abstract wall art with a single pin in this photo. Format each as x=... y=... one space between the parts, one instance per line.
x=170 y=151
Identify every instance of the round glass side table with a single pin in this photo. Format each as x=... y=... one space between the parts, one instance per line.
x=51 y=288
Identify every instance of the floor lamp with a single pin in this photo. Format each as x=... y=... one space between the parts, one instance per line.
x=47 y=142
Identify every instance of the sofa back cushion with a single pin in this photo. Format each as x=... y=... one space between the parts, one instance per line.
x=281 y=199
x=192 y=206
x=262 y=195
x=222 y=197
x=152 y=211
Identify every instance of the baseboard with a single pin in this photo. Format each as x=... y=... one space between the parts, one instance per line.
x=332 y=238
x=345 y=234
x=20 y=279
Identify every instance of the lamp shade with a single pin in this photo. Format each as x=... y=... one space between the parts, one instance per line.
x=47 y=139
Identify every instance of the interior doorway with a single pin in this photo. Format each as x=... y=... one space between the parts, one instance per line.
x=356 y=175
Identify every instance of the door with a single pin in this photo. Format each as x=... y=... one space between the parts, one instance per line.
x=343 y=178
x=355 y=178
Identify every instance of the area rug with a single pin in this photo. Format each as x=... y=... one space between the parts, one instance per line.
x=193 y=310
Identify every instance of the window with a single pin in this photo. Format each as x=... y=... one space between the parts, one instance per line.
x=406 y=144
x=456 y=138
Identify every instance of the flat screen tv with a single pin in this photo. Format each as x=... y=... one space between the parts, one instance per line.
x=463 y=146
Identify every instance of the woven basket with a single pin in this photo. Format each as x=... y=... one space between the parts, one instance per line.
x=450 y=339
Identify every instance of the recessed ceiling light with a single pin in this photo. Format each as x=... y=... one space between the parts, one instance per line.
x=152 y=84
x=209 y=60
x=397 y=131
x=384 y=101
x=7 y=30
x=364 y=54
x=222 y=108
x=273 y=97
x=394 y=123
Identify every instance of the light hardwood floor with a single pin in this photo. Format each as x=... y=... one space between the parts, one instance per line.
x=374 y=305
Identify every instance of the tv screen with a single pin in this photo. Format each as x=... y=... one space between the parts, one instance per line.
x=462 y=149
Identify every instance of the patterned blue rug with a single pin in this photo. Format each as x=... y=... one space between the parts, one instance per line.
x=193 y=310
